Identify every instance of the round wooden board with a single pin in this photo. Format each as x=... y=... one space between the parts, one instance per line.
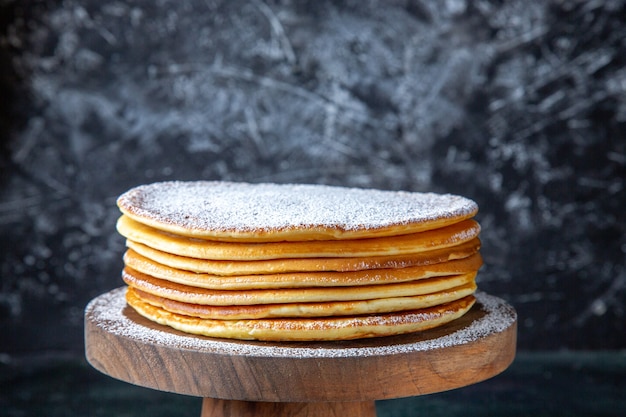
x=126 y=346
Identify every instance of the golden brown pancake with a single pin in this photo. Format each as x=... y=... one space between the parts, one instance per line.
x=326 y=309
x=239 y=251
x=195 y=295
x=276 y=266
x=300 y=279
x=293 y=212
x=297 y=262
x=308 y=329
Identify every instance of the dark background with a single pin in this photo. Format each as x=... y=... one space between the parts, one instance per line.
x=519 y=105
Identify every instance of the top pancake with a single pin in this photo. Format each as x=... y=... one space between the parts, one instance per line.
x=230 y=211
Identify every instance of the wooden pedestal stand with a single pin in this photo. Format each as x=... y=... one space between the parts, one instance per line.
x=245 y=379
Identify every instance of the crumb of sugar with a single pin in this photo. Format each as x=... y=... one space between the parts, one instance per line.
x=245 y=207
x=107 y=311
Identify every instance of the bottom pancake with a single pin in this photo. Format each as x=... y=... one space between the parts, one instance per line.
x=308 y=329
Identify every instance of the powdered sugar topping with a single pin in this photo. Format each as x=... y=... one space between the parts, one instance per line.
x=244 y=207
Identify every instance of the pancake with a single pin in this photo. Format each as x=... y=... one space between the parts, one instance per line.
x=300 y=279
x=327 y=309
x=288 y=212
x=308 y=329
x=276 y=266
x=239 y=251
x=195 y=295
x=297 y=262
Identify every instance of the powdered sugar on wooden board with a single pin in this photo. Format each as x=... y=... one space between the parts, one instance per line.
x=108 y=312
x=244 y=207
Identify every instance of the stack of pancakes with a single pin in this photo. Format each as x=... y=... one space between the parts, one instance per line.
x=297 y=262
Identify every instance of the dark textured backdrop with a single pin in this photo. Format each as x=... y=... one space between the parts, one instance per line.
x=520 y=105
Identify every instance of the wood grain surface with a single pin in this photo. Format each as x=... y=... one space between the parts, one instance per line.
x=232 y=408
x=124 y=345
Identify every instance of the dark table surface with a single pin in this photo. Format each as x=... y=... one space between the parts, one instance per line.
x=537 y=384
